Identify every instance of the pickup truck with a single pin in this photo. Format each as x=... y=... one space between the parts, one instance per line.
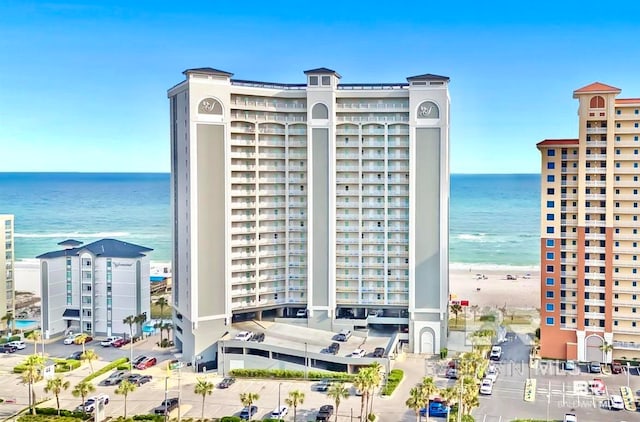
x=324 y=413
x=166 y=406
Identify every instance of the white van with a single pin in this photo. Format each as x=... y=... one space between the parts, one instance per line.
x=19 y=344
x=244 y=336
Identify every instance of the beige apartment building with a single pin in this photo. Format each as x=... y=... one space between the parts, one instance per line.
x=321 y=199
x=7 y=287
x=590 y=243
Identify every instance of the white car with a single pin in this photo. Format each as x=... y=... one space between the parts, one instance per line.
x=358 y=353
x=570 y=417
x=244 y=336
x=615 y=402
x=301 y=313
x=18 y=344
x=70 y=339
x=496 y=353
x=90 y=404
x=279 y=413
x=486 y=387
x=492 y=373
x=107 y=342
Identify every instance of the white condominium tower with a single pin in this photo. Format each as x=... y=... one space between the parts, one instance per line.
x=322 y=196
x=7 y=287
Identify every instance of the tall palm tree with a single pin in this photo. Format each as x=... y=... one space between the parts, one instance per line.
x=296 y=397
x=130 y=320
x=162 y=302
x=82 y=390
x=32 y=374
x=375 y=377
x=338 y=392
x=428 y=388
x=606 y=348
x=158 y=326
x=56 y=386
x=9 y=319
x=89 y=355
x=469 y=389
x=362 y=382
x=168 y=327
x=456 y=309
x=416 y=401
x=139 y=320
x=124 y=389
x=82 y=339
x=450 y=396
x=247 y=399
x=203 y=388
x=35 y=336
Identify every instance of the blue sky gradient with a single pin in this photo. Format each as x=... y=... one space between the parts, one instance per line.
x=83 y=84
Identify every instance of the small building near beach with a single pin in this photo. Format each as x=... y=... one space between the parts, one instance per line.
x=92 y=288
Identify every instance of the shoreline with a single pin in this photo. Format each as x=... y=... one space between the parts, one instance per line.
x=480 y=284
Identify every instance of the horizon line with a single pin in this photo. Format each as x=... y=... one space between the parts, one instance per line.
x=168 y=172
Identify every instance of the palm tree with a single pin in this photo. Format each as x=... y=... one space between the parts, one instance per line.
x=203 y=388
x=162 y=302
x=89 y=355
x=158 y=326
x=247 y=399
x=467 y=385
x=338 y=392
x=416 y=401
x=35 y=336
x=124 y=389
x=139 y=320
x=82 y=339
x=428 y=388
x=606 y=348
x=9 y=319
x=32 y=374
x=56 y=386
x=296 y=397
x=166 y=326
x=375 y=377
x=450 y=396
x=82 y=390
x=363 y=382
x=456 y=308
x=130 y=320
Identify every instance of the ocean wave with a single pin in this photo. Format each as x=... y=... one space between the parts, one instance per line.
x=475 y=267
x=71 y=235
x=475 y=237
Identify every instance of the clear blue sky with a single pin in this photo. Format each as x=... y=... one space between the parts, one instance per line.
x=83 y=85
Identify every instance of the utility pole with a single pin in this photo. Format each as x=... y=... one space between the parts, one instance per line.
x=279 y=385
x=166 y=399
x=460 y=402
x=305 y=360
x=179 y=390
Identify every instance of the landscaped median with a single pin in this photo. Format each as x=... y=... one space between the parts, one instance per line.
x=530 y=389
x=394 y=378
x=62 y=365
x=290 y=374
x=107 y=368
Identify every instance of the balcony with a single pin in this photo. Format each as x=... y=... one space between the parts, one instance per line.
x=596 y=131
x=626 y=345
x=592 y=170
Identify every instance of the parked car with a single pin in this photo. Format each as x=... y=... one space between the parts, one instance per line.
x=139 y=379
x=75 y=355
x=82 y=339
x=120 y=342
x=616 y=367
x=301 y=313
x=8 y=348
x=71 y=339
x=491 y=373
x=147 y=363
x=496 y=353
x=115 y=378
x=614 y=402
x=570 y=417
x=486 y=387
x=138 y=359
x=343 y=335
x=109 y=341
x=167 y=406
x=280 y=413
x=378 y=352
x=258 y=337
x=595 y=367
x=570 y=365
x=333 y=348
x=436 y=408
x=323 y=385
x=451 y=373
x=90 y=404
x=324 y=413
x=244 y=336
x=19 y=344
x=226 y=382
x=248 y=412
x=358 y=353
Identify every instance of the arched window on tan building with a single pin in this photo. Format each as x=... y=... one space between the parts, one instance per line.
x=596 y=102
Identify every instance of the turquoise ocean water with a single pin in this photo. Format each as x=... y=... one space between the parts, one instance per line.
x=494 y=219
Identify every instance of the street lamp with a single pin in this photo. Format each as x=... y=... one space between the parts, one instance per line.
x=628 y=370
x=305 y=360
x=279 y=385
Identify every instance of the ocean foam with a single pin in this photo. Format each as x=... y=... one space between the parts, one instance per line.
x=72 y=235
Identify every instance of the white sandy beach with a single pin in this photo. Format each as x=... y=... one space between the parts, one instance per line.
x=464 y=283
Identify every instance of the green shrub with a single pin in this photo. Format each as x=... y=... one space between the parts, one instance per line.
x=290 y=374
x=15 y=338
x=443 y=353
x=19 y=368
x=230 y=419
x=272 y=420
x=50 y=411
x=394 y=378
x=47 y=418
x=490 y=318
x=107 y=368
x=124 y=367
x=154 y=418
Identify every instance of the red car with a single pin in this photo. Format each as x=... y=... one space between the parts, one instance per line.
x=147 y=363
x=120 y=342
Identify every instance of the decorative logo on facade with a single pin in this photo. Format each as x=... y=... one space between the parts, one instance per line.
x=428 y=110
x=209 y=106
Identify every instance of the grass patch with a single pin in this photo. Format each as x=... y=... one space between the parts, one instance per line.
x=394 y=378
x=459 y=325
x=489 y=318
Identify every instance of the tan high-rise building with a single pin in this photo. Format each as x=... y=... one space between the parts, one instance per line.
x=318 y=196
x=590 y=239
x=7 y=287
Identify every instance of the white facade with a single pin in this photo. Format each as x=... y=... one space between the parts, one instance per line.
x=87 y=292
x=7 y=286
x=326 y=196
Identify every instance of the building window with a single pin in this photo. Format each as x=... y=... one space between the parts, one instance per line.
x=326 y=80
x=549 y=307
x=550 y=321
x=551 y=165
x=550 y=243
x=550 y=230
x=550 y=204
x=550 y=281
x=549 y=294
x=551 y=178
x=551 y=153
x=550 y=191
x=550 y=255
x=551 y=217
x=313 y=80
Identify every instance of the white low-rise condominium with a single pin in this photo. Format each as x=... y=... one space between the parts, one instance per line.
x=322 y=196
x=7 y=288
x=92 y=288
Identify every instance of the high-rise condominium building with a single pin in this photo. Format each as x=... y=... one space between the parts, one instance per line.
x=322 y=196
x=589 y=240
x=92 y=288
x=7 y=290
